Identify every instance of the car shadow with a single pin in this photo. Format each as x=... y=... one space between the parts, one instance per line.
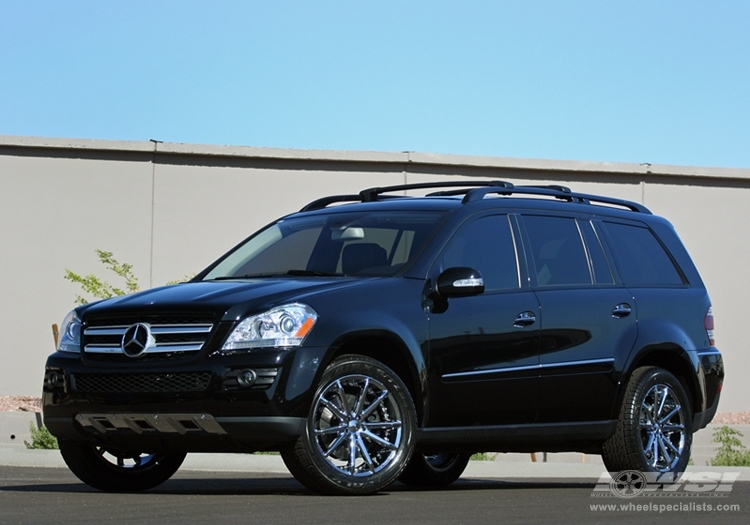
x=235 y=484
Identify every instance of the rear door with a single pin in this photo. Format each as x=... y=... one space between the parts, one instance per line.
x=588 y=323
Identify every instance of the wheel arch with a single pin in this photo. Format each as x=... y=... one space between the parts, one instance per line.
x=392 y=351
x=674 y=359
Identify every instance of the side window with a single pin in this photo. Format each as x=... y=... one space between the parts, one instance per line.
x=641 y=258
x=486 y=245
x=557 y=249
x=599 y=265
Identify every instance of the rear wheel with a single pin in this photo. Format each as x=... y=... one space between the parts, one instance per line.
x=360 y=431
x=654 y=431
x=115 y=470
x=434 y=470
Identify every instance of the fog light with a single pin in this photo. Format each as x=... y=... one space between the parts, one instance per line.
x=246 y=378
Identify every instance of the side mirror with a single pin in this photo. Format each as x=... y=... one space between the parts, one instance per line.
x=460 y=282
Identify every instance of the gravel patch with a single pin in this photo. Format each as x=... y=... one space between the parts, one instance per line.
x=20 y=404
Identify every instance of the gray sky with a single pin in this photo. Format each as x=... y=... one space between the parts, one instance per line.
x=627 y=81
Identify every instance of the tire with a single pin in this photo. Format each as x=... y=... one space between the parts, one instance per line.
x=360 y=430
x=654 y=430
x=112 y=470
x=434 y=470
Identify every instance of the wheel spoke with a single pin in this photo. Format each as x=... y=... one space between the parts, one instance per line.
x=352 y=454
x=335 y=445
x=654 y=452
x=665 y=453
x=670 y=446
x=663 y=392
x=330 y=405
x=365 y=454
x=379 y=440
x=383 y=425
x=374 y=404
x=342 y=397
x=361 y=400
x=673 y=428
x=650 y=444
x=669 y=416
x=330 y=430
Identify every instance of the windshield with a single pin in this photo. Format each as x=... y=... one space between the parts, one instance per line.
x=357 y=243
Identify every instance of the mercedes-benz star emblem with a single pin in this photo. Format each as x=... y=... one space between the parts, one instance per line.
x=137 y=339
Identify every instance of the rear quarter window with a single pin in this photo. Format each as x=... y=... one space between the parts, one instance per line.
x=640 y=257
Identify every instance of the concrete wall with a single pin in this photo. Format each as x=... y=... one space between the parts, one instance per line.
x=171 y=209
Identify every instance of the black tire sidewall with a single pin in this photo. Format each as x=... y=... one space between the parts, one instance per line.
x=90 y=467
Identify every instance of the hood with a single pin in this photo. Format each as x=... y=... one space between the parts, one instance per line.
x=228 y=300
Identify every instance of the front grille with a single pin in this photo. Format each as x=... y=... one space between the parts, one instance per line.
x=140 y=383
x=172 y=336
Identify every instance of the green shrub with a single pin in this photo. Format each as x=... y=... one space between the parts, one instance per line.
x=100 y=289
x=41 y=439
x=483 y=456
x=731 y=452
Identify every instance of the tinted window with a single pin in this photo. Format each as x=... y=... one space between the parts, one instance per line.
x=640 y=257
x=485 y=245
x=557 y=250
x=377 y=243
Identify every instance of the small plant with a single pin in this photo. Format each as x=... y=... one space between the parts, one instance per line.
x=100 y=289
x=731 y=453
x=41 y=439
x=483 y=456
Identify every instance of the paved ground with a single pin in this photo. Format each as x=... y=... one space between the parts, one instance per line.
x=54 y=496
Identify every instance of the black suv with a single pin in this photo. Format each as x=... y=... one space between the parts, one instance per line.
x=377 y=337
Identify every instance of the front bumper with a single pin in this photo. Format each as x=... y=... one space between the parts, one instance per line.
x=196 y=406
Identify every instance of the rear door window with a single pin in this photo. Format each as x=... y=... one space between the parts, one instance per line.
x=557 y=250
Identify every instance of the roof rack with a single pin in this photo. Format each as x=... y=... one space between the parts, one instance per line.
x=475 y=191
x=372 y=194
x=558 y=192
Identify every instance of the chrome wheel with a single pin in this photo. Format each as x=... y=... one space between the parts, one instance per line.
x=360 y=430
x=357 y=425
x=662 y=428
x=654 y=429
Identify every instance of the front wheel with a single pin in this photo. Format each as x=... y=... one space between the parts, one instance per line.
x=115 y=470
x=360 y=431
x=434 y=470
x=654 y=431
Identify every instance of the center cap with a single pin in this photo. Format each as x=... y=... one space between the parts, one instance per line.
x=137 y=339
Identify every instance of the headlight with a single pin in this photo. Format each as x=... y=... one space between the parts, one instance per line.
x=70 y=334
x=286 y=325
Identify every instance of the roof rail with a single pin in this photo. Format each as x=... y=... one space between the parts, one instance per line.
x=372 y=194
x=475 y=191
x=558 y=192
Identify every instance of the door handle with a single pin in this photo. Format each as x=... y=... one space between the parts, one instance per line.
x=621 y=310
x=524 y=319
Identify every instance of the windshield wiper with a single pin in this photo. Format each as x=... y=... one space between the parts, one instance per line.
x=313 y=273
x=250 y=276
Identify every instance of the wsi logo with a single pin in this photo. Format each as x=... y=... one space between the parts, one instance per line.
x=632 y=483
